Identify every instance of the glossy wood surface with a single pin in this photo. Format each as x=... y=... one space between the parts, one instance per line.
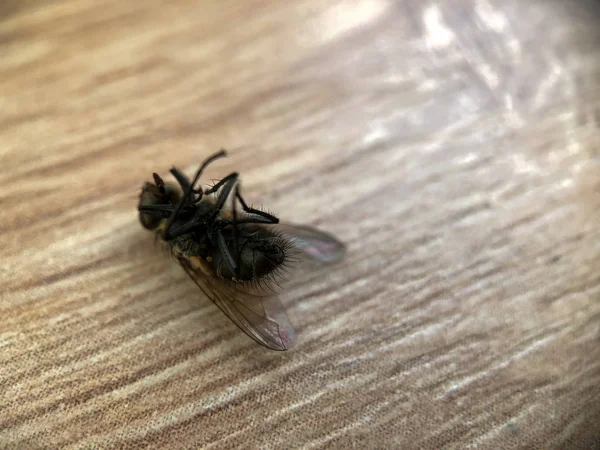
x=454 y=146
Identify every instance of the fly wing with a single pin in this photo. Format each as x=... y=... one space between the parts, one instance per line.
x=315 y=243
x=261 y=317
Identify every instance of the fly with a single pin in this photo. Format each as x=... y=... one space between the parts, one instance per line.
x=233 y=255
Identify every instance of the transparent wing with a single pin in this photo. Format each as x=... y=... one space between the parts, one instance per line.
x=315 y=243
x=260 y=317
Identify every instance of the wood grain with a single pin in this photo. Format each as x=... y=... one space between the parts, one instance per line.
x=452 y=145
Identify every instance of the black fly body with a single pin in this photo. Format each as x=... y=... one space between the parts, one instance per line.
x=234 y=256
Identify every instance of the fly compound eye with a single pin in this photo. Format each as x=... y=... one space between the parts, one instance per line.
x=157 y=194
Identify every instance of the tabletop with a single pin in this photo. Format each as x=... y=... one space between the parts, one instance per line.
x=452 y=146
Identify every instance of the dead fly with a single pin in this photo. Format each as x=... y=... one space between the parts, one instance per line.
x=234 y=256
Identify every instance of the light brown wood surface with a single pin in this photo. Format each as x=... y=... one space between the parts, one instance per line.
x=454 y=146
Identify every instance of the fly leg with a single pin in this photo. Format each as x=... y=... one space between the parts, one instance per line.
x=269 y=218
x=189 y=190
x=226 y=185
x=181 y=178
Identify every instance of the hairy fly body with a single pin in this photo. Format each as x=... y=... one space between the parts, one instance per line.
x=232 y=255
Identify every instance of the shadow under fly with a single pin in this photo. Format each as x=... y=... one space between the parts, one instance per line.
x=233 y=255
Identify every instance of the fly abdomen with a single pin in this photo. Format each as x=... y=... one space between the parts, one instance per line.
x=260 y=254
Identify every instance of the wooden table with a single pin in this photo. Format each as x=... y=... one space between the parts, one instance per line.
x=454 y=146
